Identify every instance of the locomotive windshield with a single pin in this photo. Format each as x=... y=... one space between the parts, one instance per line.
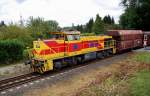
x=57 y=37
x=67 y=36
x=73 y=37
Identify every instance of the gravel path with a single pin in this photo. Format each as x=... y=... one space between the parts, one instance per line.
x=13 y=70
x=147 y=49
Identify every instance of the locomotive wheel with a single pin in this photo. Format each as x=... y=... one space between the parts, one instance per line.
x=99 y=55
x=80 y=60
x=106 y=53
x=111 y=52
x=57 y=65
x=74 y=61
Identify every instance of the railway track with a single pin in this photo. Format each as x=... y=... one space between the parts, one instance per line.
x=26 y=78
x=18 y=80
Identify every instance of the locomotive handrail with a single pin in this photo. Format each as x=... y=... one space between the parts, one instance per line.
x=111 y=44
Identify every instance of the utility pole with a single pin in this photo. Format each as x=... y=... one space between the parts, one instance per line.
x=21 y=21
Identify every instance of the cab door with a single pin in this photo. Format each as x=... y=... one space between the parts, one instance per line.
x=73 y=45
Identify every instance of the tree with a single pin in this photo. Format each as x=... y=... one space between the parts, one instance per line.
x=11 y=32
x=39 y=27
x=98 y=26
x=130 y=3
x=2 y=23
x=108 y=20
x=89 y=25
x=112 y=20
x=136 y=15
x=80 y=28
x=105 y=19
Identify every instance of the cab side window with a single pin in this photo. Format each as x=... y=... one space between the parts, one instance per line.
x=76 y=37
x=72 y=37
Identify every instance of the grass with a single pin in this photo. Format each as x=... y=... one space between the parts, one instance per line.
x=143 y=57
x=140 y=84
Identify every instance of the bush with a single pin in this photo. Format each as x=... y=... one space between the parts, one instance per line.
x=10 y=51
x=27 y=54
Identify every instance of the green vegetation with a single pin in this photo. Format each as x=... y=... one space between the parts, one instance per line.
x=39 y=28
x=136 y=15
x=11 y=32
x=140 y=85
x=143 y=57
x=89 y=25
x=108 y=20
x=15 y=38
x=98 y=26
x=10 y=51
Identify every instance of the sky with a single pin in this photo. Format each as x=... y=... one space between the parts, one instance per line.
x=65 y=12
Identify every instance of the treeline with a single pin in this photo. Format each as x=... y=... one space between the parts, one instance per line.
x=14 y=38
x=136 y=15
x=97 y=26
x=35 y=28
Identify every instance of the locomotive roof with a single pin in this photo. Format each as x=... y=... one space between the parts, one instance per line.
x=67 y=33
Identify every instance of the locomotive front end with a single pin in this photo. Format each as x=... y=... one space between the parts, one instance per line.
x=39 y=61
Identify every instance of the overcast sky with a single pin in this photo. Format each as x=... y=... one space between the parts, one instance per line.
x=65 y=12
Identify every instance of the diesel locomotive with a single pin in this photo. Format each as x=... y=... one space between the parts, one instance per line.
x=71 y=48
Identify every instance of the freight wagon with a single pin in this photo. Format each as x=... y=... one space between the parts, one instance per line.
x=127 y=39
